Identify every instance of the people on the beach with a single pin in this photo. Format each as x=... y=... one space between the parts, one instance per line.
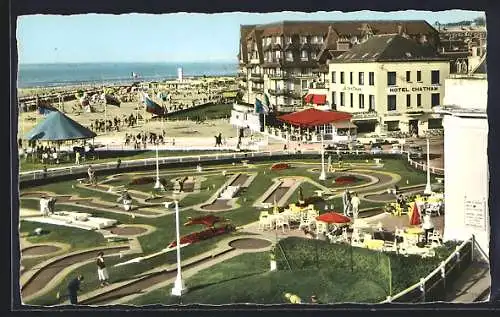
x=102 y=271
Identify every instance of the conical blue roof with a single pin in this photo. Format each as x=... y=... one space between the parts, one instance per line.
x=58 y=127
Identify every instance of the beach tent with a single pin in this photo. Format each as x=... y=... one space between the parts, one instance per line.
x=58 y=127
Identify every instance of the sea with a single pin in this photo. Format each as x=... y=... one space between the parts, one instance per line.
x=72 y=74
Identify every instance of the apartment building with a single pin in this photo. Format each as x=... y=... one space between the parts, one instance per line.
x=389 y=83
x=286 y=59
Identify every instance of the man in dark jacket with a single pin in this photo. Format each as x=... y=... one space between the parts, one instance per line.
x=73 y=288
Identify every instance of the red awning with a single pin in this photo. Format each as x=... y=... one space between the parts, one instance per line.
x=319 y=99
x=314 y=117
x=333 y=217
x=315 y=99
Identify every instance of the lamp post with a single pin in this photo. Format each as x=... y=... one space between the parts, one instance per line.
x=157 y=183
x=322 y=176
x=428 y=189
x=179 y=287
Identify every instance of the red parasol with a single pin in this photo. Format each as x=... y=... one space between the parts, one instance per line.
x=415 y=216
x=333 y=217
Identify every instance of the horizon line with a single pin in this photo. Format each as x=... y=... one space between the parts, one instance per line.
x=132 y=62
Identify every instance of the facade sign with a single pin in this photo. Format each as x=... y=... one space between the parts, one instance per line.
x=412 y=89
x=475 y=214
x=346 y=88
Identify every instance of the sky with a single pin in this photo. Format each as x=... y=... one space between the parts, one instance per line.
x=175 y=37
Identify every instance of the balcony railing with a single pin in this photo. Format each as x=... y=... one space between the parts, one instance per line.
x=279 y=76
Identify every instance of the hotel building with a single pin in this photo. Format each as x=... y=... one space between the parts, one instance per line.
x=286 y=59
x=390 y=83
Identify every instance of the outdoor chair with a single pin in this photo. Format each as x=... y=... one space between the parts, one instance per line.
x=305 y=222
x=282 y=222
x=390 y=246
x=434 y=238
x=265 y=221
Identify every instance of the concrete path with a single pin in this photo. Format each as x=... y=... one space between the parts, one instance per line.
x=472 y=286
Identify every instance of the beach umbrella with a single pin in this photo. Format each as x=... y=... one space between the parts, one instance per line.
x=333 y=218
x=415 y=216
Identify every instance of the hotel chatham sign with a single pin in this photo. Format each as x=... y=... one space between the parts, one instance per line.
x=393 y=90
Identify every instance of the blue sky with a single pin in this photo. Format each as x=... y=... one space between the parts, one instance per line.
x=178 y=37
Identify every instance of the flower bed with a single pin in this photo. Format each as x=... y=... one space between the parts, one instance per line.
x=280 y=166
x=208 y=221
x=346 y=179
x=203 y=235
x=142 y=181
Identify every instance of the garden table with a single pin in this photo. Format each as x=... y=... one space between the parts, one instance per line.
x=374 y=244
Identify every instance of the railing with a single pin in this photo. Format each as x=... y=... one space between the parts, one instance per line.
x=79 y=169
x=433 y=287
x=423 y=167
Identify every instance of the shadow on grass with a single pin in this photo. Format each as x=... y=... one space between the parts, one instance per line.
x=202 y=286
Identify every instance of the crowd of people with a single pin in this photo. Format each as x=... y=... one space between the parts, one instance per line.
x=142 y=139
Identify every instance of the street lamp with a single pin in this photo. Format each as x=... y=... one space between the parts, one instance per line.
x=428 y=189
x=179 y=287
x=322 y=176
x=157 y=183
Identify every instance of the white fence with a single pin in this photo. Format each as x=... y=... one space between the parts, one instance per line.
x=418 y=291
x=78 y=169
x=423 y=166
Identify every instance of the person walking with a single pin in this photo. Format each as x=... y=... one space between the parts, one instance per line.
x=428 y=226
x=77 y=158
x=73 y=289
x=91 y=174
x=102 y=272
x=355 y=205
x=346 y=201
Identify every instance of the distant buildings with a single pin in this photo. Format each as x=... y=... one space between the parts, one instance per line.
x=463 y=45
x=286 y=59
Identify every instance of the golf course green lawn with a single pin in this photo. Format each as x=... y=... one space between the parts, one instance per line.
x=205 y=113
x=300 y=280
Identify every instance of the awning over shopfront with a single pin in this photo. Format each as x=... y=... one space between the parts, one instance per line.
x=315 y=99
x=344 y=125
x=314 y=117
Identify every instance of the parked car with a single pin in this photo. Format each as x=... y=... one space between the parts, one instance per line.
x=358 y=147
x=376 y=148
x=415 y=152
x=396 y=149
